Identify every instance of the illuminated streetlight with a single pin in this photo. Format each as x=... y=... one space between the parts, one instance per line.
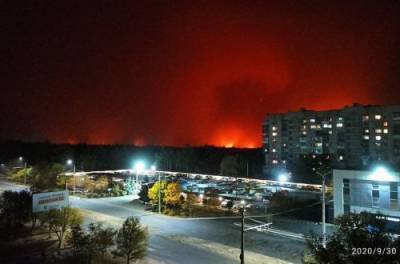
x=381 y=174
x=21 y=158
x=139 y=166
x=283 y=177
x=70 y=161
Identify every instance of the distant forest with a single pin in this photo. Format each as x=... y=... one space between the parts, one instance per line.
x=204 y=159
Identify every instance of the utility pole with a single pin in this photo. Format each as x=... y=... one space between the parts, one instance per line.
x=159 y=193
x=323 y=212
x=25 y=172
x=323 y=175
x=242 y=237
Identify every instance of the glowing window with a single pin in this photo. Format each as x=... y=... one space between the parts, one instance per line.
x=366 y=137
x=340 y=157
x=274 y=134
x=385 y=131
x=273 y=128
x=273 y=150
x=365 y=118
x=378 y=117
x=378 y=131
x=378 y=137
x=339 y=125
x=312 y=120
x=385 y=124
x=366 y=131
x=274 y=162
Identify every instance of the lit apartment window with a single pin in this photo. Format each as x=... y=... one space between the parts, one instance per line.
x=304 y=121
x=385 y=124
x=330 y=132
x=284 y=161
x=340 y=157
x=273 y=128
x=274 y=162
x=304 y=132
x=378 y=117
x=366 y=131
x=340 y=118
x=304 y=127
x=339 y=125
x=378 y=131
x=273 y=150
x=312 y=120
x=274 y=134
x=366 y=137
x=319 y=144
x=385 y=131
x=365 y=118
x=378 y=138
x=313 y=126
x=284 y=145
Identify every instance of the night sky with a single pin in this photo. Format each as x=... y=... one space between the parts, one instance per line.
x=187 y=72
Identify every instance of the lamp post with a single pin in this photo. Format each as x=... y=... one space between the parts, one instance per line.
x=21 y=159
x=153 y=168
x=242 y=210
x=71 y=162
x=323 y=175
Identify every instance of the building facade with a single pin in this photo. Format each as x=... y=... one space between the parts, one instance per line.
x=374 y=192
x=352 y=137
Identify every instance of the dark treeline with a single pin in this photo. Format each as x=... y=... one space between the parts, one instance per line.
x=205 y=159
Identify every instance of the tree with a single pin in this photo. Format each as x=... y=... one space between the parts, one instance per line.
x=356 y=231
x=44 y=176
x=60 y=220
x=15 y=210
x=95 y=242
x=154 y=190
x=143 y=194
x=101 y=238
x=129 y=185
x=229 y=166
x=173 y=194
x=101 y=184
x=79 y=241
x=20 y=175
x=131 y=241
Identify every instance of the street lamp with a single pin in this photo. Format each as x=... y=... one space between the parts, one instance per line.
x=323 y=174
x=154 y=168
x=242 y=210
x=283 y=177
x=139 y=168
x=71 y=162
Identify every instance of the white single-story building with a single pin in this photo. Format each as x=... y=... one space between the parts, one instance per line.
x=372 y=191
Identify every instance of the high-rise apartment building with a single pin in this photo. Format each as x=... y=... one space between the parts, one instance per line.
x=352 y=137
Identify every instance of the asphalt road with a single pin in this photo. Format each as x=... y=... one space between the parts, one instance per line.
x=194 y=241
x=176 y=240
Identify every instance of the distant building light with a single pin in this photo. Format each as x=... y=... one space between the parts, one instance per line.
x=312 y=120
x=340 y=157
x=274 y=128
x=274 y=134
x=378 y=131
x=274 y=162
x=366 y=137
x=385 y=124
x=339 y=125
x=378 y=117
x=365 y=118
x=378 y=137
x=385 y=131
x=304 y=132
x=273 y=150
x=366 y=131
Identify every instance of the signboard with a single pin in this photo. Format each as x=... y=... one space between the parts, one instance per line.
x=50 y=200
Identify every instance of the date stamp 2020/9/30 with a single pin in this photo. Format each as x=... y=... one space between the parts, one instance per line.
x=375 y=251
